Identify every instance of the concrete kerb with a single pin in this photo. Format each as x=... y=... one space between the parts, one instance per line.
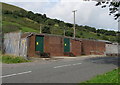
x=64 y=57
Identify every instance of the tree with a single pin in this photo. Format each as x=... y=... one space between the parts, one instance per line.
x=101 y=31
x=113 y=7
x=6 y=12
x=23 y=13
x=69 y=25
x=68 y=33
x=30 y=15
x=92 y=29
x=104 y=37
x=44 y=16
x=118 y=37
x=46 y=29
x=49 y=22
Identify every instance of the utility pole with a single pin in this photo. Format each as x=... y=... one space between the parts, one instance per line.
x=64 y=32
x=74 y=23
x=40 y=29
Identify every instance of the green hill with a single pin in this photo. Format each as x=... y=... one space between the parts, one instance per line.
x=12 y=22
x=10 y=7
x=15 y=19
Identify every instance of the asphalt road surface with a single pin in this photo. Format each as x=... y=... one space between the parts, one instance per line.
x=73 y=70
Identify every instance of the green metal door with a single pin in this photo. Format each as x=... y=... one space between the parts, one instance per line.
x=40 y=43
x=66 y=45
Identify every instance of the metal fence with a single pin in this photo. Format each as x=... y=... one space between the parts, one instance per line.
x=15 y=45
x=23 y=47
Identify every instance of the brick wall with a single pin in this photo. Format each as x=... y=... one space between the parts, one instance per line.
x=100 y=48
x=53 y=45
x=76 y=47
x=31 y=49
x=92 y=47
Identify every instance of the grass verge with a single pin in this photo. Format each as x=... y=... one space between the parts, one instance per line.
x=12 y=59
x=109 y=77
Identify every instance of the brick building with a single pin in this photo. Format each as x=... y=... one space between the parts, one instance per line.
x=90 y=47
x=54 y=45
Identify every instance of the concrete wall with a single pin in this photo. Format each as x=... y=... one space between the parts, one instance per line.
x=112 y=49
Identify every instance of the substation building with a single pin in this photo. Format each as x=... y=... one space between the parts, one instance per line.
x=41 y=45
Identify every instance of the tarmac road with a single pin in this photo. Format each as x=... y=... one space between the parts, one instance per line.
x=71 y=70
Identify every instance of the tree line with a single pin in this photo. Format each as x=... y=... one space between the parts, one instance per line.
x=48 y=23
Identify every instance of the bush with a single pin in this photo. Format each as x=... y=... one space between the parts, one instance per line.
x=69 y=33
x=46 y=29
x=12 y=59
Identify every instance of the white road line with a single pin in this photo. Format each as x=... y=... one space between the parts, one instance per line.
x=8 y=75
x=15 y=74
x=67 y=65
x=62 y=66
x=77 y=64
x=24 y=72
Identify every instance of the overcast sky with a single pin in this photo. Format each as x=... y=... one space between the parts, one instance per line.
x=87 y=13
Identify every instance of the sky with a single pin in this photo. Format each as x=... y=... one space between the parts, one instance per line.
x=87 y=13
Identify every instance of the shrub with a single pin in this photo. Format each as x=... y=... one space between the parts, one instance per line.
x=12 y=59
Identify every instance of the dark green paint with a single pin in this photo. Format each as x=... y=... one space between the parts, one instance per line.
x=66 y=45
x=39 y=43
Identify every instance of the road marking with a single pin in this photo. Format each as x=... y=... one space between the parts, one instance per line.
x=16 y=74
x=24 y=72
x=67 y=65
x=77 y=64
x=62 y=66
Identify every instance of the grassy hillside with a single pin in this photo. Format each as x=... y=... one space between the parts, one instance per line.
x=15 y=19
x=10 y=7
x=10 y=23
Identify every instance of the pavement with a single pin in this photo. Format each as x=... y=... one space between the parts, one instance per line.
x=61 y=70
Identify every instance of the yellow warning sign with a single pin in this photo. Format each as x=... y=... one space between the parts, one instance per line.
x=65 y=44
x=37 y=43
